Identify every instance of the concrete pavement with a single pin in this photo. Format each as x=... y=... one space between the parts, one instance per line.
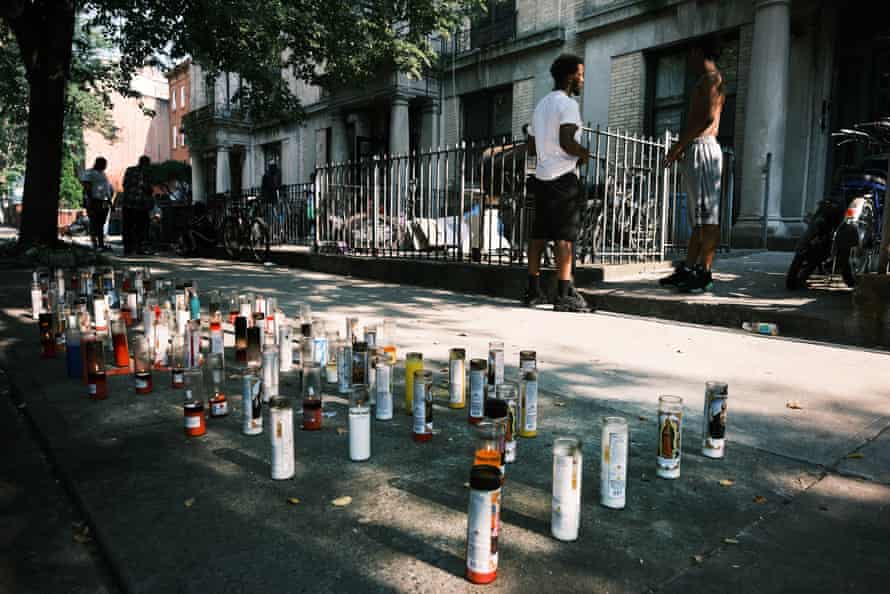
x=180 y=515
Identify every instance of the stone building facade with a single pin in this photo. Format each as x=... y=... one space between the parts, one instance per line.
x=795 y=70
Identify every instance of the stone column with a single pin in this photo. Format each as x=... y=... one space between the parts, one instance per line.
x=766 y=106
x=399 y=122
x=429 y=132
x=199 y=192
x=247 y=177
x=223 y=176
x=339 y=141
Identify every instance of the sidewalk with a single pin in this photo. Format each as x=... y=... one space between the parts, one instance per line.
x=201 y=515
x=748 y=288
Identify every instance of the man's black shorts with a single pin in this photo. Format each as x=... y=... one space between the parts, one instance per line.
x=557 y=207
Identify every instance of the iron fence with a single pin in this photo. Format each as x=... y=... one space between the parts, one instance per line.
x=288 y=212
x=470 y=202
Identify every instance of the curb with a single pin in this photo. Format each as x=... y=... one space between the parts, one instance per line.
x=27 y=407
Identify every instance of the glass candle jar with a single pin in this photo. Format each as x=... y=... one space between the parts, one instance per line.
x=194 y=384
x=281 y=419
x=613 y=463
x=195 y=421
x=483 y=525
x=495 y=362
x=360 y=363
x=97 y=381
x=251 y=404
x=714 y=420
x=359 y=424
x=528 y=361
x=241 y=339
x=233 y=307
x=489 y=442
x=565 y=522
x=312 y=397
x=142 y=364
x=371 y=336
x=387 y=338
x=422 y=427
x=413 y=363
x=478 y=376
x=285 y=347
x=270 y=372
x=383 y=388
x=47 y=336
x=73 y=356
x=457 y=378
x=254 y=352
x=344 y=367
x=670 y=432
x=528 y=403
x=177 y=361
x=119 y=343
x=507 y=393
x=351 y=330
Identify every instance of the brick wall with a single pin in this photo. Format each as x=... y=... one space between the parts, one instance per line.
x=627 y=92
x=523 y=104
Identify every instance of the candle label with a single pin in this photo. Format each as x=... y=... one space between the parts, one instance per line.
x=477 y=393
x=91 y=389
x=483 y=521
x=192 y=421
x=384 y=405
x=616 y=461
x=669 y=435
x=140 y=383
x=456 y=384
x=530 y=407
x=566 y=504
x=219 y=409
x=714 y=429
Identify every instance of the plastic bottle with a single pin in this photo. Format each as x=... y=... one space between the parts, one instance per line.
x=765 y=328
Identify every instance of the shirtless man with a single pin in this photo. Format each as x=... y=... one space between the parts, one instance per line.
x=702 y=169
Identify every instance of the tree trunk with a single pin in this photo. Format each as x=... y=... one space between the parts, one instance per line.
x=46 y=46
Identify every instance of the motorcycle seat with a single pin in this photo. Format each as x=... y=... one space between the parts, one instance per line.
x=868 y=179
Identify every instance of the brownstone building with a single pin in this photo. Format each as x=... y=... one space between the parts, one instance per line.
x=180 y=103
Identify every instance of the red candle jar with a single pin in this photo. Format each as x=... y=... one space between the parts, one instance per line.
x=311 y=414
x=47 y=336
x=195 y=425
x=97 y=385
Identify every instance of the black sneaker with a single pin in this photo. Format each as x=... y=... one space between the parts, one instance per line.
x=533 y=299
x=572 y=302
x=680 y=274
x=699 y=281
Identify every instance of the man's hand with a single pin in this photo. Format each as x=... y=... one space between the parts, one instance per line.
x=583 y=159
x=673 y=155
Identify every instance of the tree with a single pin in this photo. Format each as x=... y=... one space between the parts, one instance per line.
x=352 y=40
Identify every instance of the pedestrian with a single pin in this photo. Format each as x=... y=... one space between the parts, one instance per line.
x=702 y=169
x=269 y=189
x=554 y=137
x=138 y=202
x=97 y=193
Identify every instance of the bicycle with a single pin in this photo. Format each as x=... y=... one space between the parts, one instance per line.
x=245 y=231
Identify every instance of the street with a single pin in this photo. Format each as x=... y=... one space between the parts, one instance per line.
x=799 y=504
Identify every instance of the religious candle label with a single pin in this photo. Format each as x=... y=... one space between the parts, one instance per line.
x=482 y=531
x=477 y=394
x=669 y=436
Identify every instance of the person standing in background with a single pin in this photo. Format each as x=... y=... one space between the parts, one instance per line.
x=97 y=200
x=137 y=199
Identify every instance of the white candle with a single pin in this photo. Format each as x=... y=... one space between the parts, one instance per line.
x=359 y=433
x=613 y=463
x=566 y=504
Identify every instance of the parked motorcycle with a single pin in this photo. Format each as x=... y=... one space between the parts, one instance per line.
x=844 y=234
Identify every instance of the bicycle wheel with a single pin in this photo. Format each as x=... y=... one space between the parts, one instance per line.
x=231 y=237
x=259 y=241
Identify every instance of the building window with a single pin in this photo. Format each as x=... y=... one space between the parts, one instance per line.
x=488 y=114
x=182 y=96
x=174 y=136
x=494 y=25
x=669 y=82
x=173 y=100
x=182 y=139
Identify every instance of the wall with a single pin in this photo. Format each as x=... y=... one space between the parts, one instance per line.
x=138 y=134
x=627 y=94
x=180 y=102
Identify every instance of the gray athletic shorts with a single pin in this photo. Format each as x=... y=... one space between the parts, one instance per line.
x=703 y=172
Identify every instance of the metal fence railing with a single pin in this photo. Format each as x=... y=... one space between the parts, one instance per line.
x=289 y=213
x=470 y=202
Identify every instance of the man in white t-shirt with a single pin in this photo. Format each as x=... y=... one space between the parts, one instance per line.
x=554 y=139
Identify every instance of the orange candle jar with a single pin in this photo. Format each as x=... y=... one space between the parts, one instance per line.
x=119 y=341
x=195 y=424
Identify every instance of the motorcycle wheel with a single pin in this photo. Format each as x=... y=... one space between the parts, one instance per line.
x=259 y=241
x=799 y=271
x=850 y=262
x=231 y=238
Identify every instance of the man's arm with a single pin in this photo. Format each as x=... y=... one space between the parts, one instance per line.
x=704 y=111
x=532 y=147
x=570 y=145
